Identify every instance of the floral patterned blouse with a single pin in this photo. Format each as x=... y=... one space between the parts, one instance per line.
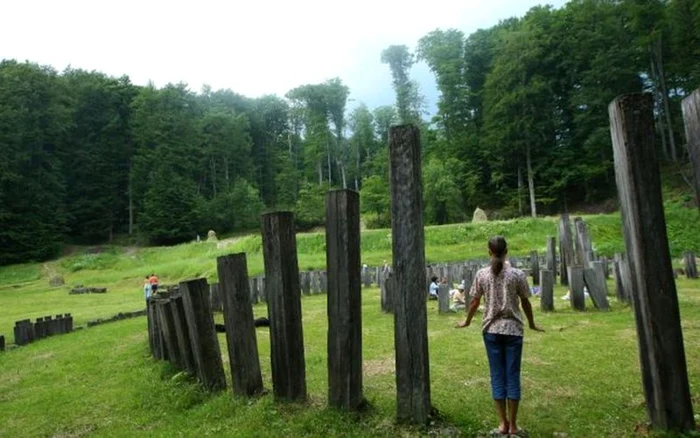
x=502 y=295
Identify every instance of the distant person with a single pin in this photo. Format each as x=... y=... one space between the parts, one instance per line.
x=459 y=300
x=386 y=268
x=503 y=289
x=433 y=290
x=154 y=283
x=147 y=287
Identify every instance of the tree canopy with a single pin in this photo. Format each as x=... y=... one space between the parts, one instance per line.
x=521 y=128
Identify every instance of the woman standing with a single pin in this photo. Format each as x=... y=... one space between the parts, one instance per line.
x=504 y=289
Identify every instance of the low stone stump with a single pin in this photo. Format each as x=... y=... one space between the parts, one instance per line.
x=78 y=290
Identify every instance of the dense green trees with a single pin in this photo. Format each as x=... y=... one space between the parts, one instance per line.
x=521 y=129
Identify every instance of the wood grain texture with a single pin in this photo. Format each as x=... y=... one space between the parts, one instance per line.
x=408 y=250
x=283 y=294
x=662 y=354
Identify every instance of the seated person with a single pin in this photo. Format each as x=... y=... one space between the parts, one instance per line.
x=458 y=298
x=433 y=291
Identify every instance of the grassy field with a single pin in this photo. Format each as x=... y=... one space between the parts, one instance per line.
x=581 y=378
x=25 y=292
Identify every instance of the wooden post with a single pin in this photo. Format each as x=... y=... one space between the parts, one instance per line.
x=594 y=279
x=240 y=327
x=691 y=270
x=408 y=250
x=691 y=117
x=620 y=292
x=547 y=291
x=205 y=344
x=344 y=299
x=662 y=354
x=39 y=331
x=2 y=342
x=535 y=267
x=387 y=297
x=284 y=306
x=552 y=257
x=606 y=267
x=576 y=295
x=566 y=248
x=443 y=298
x=155 y=339
x=183 y=335
x=167 y=325
x=584 y=248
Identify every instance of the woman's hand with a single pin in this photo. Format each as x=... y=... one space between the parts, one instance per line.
x=462 y=324
x=534 y=327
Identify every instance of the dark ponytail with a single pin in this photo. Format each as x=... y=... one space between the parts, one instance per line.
x=498 y=249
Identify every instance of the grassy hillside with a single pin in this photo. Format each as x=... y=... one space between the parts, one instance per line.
x=122 y=269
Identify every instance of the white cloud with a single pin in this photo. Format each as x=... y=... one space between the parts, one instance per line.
x=253 y=47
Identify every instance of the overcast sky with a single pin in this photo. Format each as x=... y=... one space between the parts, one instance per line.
x=253 y=47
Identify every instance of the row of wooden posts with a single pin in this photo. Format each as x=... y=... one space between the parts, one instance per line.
x=27 y=332
x=184 y=322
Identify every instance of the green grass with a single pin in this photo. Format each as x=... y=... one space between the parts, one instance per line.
x=24 y=290
x=581 y=377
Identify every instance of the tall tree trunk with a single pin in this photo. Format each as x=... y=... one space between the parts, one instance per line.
x=530 y=182
x=342 y=174
x=320 y=174
x=520 y=190
x=658 y=51
x=659 y=107
x=228 y=183
x=328 y=162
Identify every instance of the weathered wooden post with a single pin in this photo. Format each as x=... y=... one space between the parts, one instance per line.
x=594 y=278
x=21 y=337
x=154 y=337
x=535 y=267
x=48 y=320
x=691 y=117
x=387 y=294
x=344 y=299
x=2 y=342
x=443 y=298
x=183 y=335
x=620 y=292
x=167 y=325
x=584 y=248
x=408 y=249
x=552 y=257
x=691 y=270
x=205 y=344
x=576 y=295
x=39 y=331
x=240 y=328
x=606 y=267
x=547 y=291
x=566 y=248
x=662 y=354
x=284 y=306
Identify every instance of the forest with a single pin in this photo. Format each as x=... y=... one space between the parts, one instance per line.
x=521 y=129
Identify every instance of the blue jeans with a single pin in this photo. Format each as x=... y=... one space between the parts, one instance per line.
x=505 y=353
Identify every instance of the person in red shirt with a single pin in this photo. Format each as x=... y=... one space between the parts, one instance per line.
x=154 y=283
